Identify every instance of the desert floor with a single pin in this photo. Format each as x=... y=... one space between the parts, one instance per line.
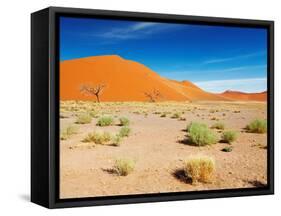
x=157 y=146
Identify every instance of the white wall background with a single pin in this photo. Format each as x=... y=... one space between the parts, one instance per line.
x=15 y=106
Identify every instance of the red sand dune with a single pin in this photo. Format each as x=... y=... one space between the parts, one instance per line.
x=124 y=80
x=236 y=95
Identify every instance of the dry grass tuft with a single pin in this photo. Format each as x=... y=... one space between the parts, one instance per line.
x=124 y=166
x=199 y=168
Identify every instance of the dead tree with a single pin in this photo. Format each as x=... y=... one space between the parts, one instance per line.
x=93 y=90
x=153 y=95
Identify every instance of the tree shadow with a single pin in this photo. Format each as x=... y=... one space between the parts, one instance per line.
x=180 y=175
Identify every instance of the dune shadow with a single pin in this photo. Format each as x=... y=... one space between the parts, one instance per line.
x=256 y=183
x=179 y=174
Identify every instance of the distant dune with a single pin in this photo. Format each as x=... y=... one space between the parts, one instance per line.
x=127 y=80
x=236 y=95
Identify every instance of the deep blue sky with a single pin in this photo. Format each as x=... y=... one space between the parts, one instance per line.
x=214 y=57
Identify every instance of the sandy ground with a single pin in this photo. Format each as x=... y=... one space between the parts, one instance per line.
x=156 y=145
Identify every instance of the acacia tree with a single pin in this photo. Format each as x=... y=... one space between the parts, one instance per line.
x=153 y=95
x=95 y=90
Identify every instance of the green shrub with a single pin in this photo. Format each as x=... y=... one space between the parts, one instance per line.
x=163 y=115
x=195 y=124
x=124 y=131
x=199 y=168
x=218 y=125
x=83 y=119
x=201 y=135
x=93 y=114
x=227 y=149
x=105 y=121
x=98 y=137
x=116 y=140
x=257 y=126
x=124 y=121
x=229 y=136
x=176 y=115
x=67 y=132
x=124 y=167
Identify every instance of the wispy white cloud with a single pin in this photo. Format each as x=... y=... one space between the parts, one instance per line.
x=244 y=85
x=182 y=73
x=226 y=59
x=135 y=31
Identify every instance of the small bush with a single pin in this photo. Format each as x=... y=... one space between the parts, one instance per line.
x=105 y=121
x=163 y=115
x=201 y=135
x=98 y=137
x=124 y=131
x=116 y=140
x=218 y=125
x=176 y=115
x=124 y=167
x=229 y=136
x=199 y=168
x=227 y=149
x=93 y=114
x=124 y=121
x=257 y=126
x=195 y=124
x=83 y=119
x=67 y=132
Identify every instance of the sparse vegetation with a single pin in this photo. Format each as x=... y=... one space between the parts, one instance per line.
x=105 y=121
x=199 y=168
x=227 y=149
x=67 y=132
x=124 y=166
x=98 y=137
x=124 y=131
x=124 y=121
x=163 y=115
x=93 y=113
x=116 y=140
x=218 y=125
x=201 y=135
x=83 y=119
x=257 y=126
x=229 y=136
x=176 y=115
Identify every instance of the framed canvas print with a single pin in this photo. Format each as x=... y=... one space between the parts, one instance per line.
x=139 y=107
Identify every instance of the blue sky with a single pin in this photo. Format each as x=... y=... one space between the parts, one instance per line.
x=216 y=58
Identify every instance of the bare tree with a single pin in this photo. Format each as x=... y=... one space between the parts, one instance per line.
x=153 y=95
x=93 y=90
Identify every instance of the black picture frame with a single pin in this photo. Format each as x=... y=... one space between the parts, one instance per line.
x=45 y=104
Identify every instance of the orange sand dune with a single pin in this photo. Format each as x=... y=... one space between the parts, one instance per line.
x=236 y=95
x=124 y=80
